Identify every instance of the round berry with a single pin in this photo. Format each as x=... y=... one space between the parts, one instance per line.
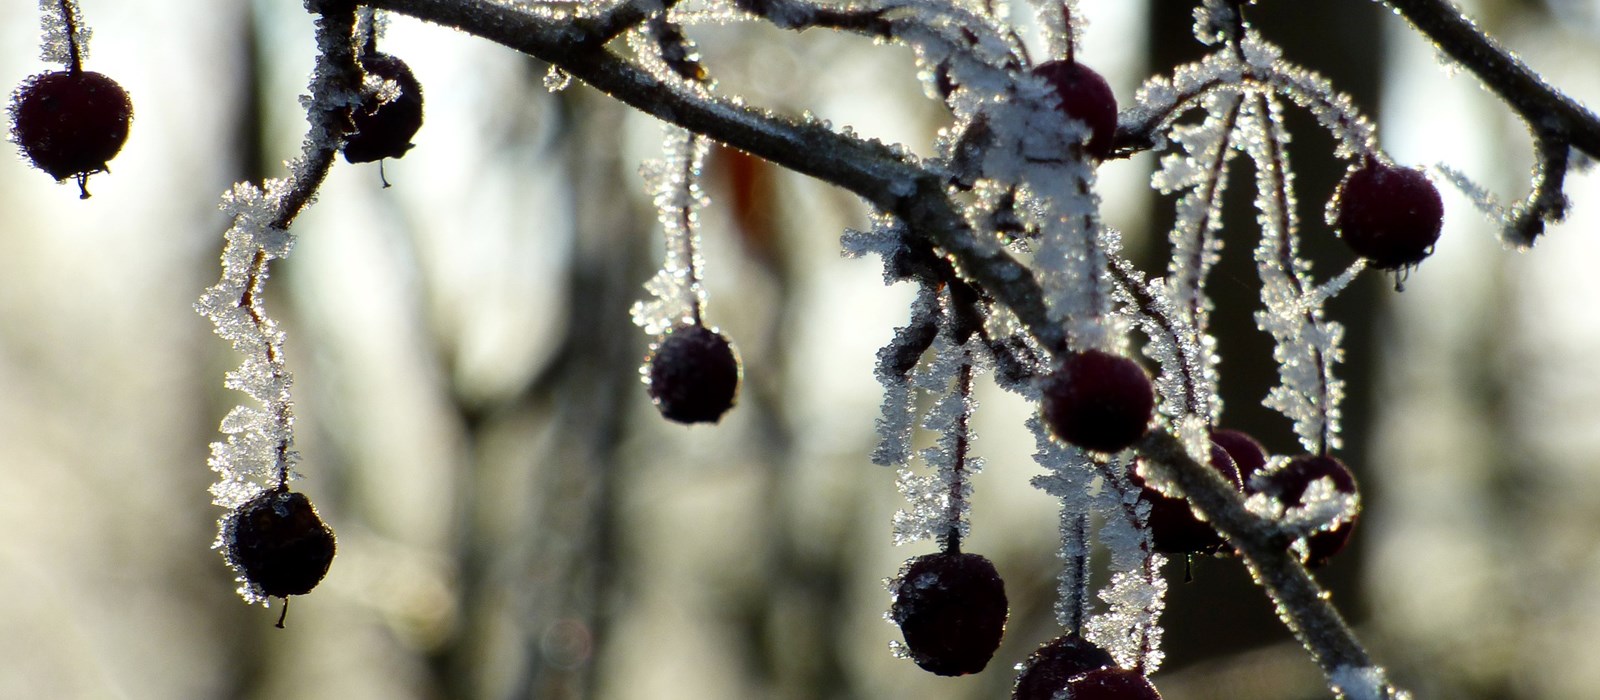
x=69 y=123
x=1247 y=453
x=1174 y=529
x=951 y=609
x=1390 y=216
x=278 y=543
x=390 y=112
x=1288 y=485
x=1086 y=97
x=1050 y=667
x=693 y=375
x=1111 y=684
x=1098 y=401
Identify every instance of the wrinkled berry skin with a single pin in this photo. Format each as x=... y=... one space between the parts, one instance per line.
x=1174 y=529
x=1087 y=97
x=693 y=375
x=1112 y=684
x=277 y=541
x=1050 y=667
x=951 y=609
x=1098 y=401
x=1390 y=216
x=69 y=123
x=1289 y=484
x=383 y=129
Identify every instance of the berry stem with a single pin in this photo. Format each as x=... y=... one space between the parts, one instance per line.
x=686 y=227
x=1075 y=575
x=957 y=510
x=76 y=65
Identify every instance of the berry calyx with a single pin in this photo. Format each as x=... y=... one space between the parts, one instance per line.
x=951 y=610
x=277 y=542
x=1086 y=97
x=1054 y=664
x=1111 y=684
x=390 y=112
x=1288 y=485
x=1098 y=401
x=693 y=375
x=1174 y=528
x=69 y=123
x=1389 y=215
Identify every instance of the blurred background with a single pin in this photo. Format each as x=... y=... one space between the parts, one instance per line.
x=514 y=519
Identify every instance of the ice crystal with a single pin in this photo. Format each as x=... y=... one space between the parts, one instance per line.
x=65 y=37
x=1364 y=683
x=676 y=296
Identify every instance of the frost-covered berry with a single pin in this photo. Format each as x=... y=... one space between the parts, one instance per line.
x=1086 y=97
x=278 y=543
x=1050 y=667
x=1390 y=216
x=951 y=609
x=1098 y=401
x=390 y=112
x=1174 y=529
x=693 y=375
x=1111 y=684
x=70 y=122
x=1289 y=484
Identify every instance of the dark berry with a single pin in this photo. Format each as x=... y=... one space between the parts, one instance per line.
x=694 y=375
x=390 y=112
x=1050 y=667
x=1086 y=97
x=1111 y=684
x=951 y=609
x=69 y=123
x=1174 y=529
x=277 y=541
x=1247 y=453
x=1098 y=401
x=1390 y=216
x=1289 y=483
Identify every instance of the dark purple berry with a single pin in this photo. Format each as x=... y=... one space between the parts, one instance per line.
x=1050 y=667
x=1390 y=216
x=694 y=375
x=1174 y=529
x=390 y=112
x=1289 y=483
x=1098 y=401
x=1247 y=453
x=1086 y=97
x=69 y=123
x=951 y=609
x=1111 y=684
x=277 y=541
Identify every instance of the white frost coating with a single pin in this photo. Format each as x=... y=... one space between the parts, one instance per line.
x=1364 y=683
x=1321 y=507
x=1306 y=347
x=938 y=502
x=54 y=45
x=898 y=416
x=675 y=293
x=1129 y=628
x=1481 y=198
x=1069 y=476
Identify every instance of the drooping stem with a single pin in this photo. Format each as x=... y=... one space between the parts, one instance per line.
x=69 y=20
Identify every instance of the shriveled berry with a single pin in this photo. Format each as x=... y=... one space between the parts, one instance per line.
x=694 y=375
x=277 y=541
x=951 y=609
x=1174 y=529
x=390 y=112
x=1288 y=485
x=1050 y=667
x=1086 y=97
x=1390 y=216
x=1111 y=684
x=69 y=123
x=1098 y=401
